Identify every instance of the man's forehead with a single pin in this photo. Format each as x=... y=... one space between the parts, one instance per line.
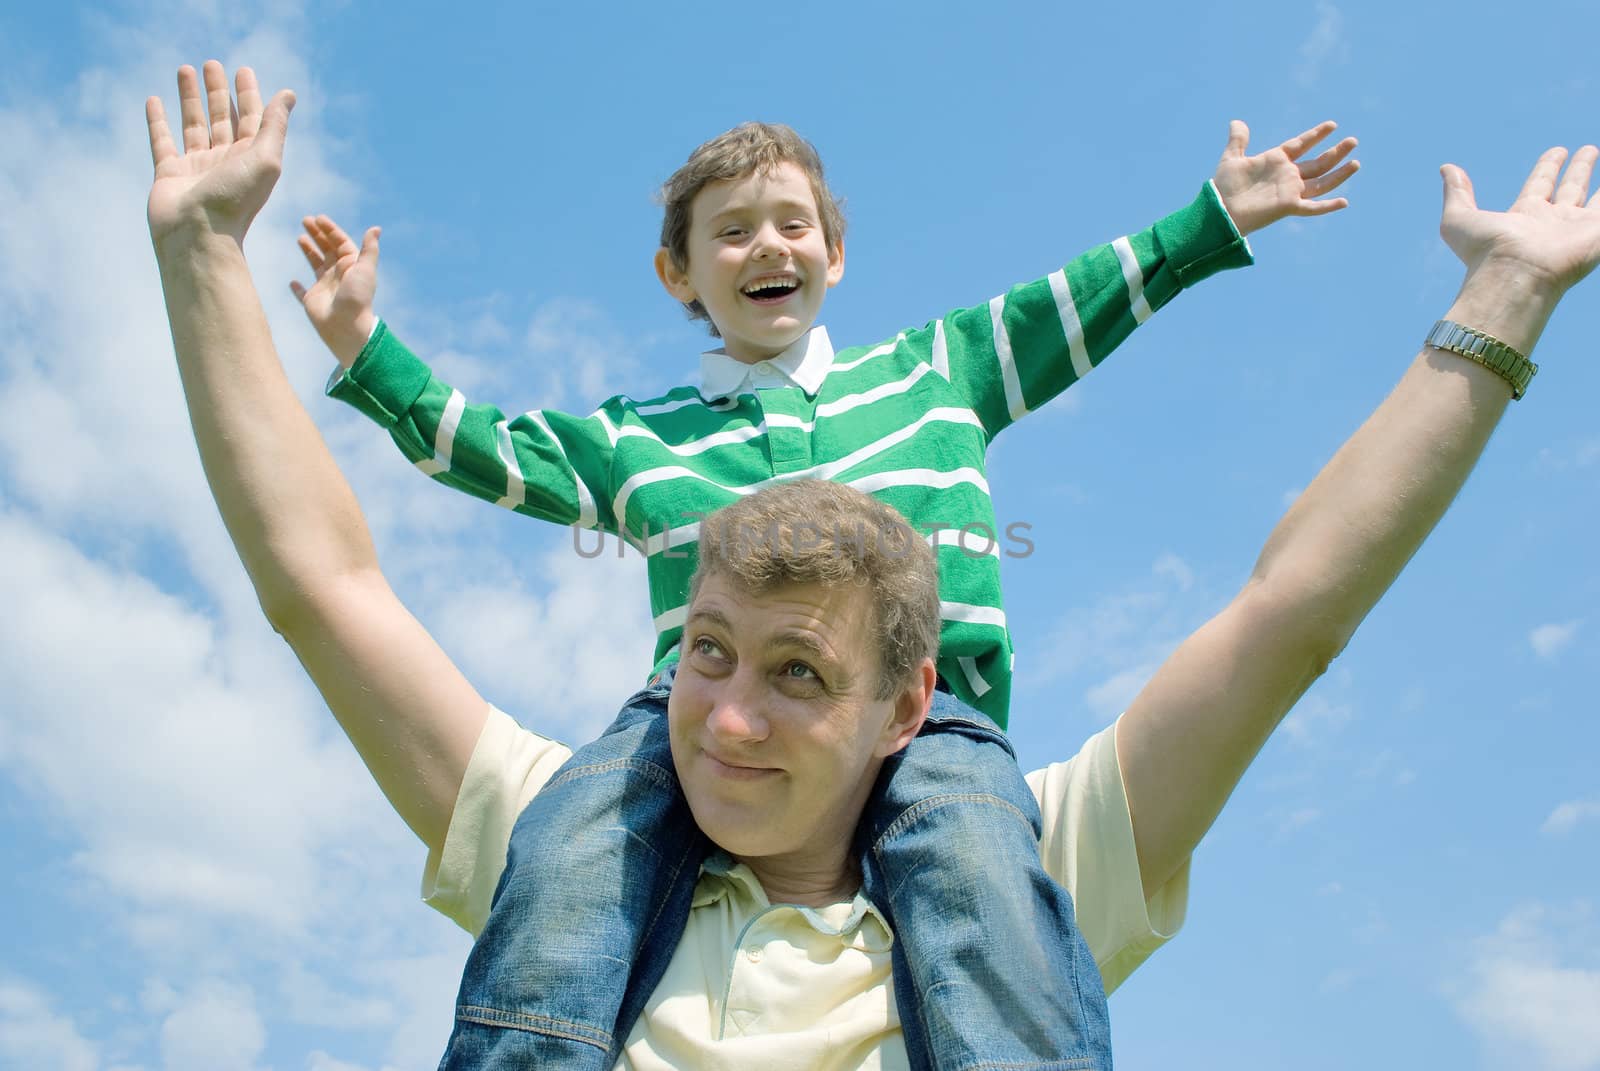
x=835 y=615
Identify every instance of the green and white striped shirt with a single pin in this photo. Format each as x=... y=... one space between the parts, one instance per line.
x=907 y=421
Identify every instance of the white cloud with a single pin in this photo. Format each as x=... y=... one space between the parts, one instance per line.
x=1123 y=637
x=1550 y=640
x=1532 y=989
x=33 y=1034
x=215 y=1028
x=1314 y=719
x=1171 y=567
x=217 y=822
x=1566 y=817
x=1325 y=47
x=1291 y=822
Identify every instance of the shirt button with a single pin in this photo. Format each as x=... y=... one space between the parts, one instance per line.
x=753 y=954
x=765 y=367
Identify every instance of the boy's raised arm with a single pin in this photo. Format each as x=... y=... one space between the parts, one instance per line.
x=1188 y=736
x=298 y=529
x=545 y=464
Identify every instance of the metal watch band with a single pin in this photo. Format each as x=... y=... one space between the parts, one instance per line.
x=1487 y=350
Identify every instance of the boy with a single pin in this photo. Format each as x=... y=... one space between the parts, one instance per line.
x=752 y=240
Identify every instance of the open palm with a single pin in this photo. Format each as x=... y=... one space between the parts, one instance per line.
x=1550 y=230
x=232 y=154
x=1262 y=189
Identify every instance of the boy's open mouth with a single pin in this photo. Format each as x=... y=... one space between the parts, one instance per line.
x=771 y=289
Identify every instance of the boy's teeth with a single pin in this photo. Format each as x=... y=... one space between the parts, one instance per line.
x=771 y=284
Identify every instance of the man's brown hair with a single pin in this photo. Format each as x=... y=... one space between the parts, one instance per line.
x=829 y=534
x=748 y=149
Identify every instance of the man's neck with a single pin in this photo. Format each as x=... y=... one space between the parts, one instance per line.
x=807 y=882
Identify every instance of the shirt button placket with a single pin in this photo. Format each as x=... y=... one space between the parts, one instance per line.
x=789 y=447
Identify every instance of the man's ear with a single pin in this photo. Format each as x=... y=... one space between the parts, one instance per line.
x=910 y=710
x=676 y=281
x=836 y=263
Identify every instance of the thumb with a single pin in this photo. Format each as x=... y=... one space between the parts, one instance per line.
x=275 y=121
x=297 y=290
x=1238 y=138
x=1458 y=196
x=369 y=246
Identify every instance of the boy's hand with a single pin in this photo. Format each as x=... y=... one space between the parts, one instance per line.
x=339 y=302
x=1260 y=190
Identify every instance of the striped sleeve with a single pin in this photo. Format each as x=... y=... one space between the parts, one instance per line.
x=543 y=463
x=1029 y=344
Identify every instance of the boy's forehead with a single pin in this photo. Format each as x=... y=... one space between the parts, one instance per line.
x=784 y=183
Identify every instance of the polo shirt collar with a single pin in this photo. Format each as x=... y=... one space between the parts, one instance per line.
x=856 y=922
x=805 y=364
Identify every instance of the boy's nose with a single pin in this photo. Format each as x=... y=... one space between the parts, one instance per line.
x=770 y=243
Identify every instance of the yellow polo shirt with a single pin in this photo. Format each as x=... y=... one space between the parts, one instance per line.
x=778 y=987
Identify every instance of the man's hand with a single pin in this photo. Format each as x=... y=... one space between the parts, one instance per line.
x=1548 y=232
x=1260 y=190
x=339 y=302
x=233 y=154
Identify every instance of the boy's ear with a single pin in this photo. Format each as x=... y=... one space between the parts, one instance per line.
x=676 y=282
x=836 y=263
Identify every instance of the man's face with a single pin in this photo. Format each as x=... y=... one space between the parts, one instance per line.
x=758 y=261
x=776 y=732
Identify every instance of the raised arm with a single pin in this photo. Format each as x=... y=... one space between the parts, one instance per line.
x=1021 y=349
x=410 y=713
x=1187 y=738
x=545 y=464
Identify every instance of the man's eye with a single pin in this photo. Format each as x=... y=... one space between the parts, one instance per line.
x=708 y=647
x=799 y=671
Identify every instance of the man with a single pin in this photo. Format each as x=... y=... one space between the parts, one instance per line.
x=1174 y=756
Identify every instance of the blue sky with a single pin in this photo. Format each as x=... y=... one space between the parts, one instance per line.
x=203 y=875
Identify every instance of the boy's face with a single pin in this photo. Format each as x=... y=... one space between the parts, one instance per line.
x=758 y=261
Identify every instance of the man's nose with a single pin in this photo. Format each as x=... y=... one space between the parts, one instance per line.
x=736 y=713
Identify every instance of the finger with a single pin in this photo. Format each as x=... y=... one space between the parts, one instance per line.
x=1296 y=146
x=1458 y=195
x=1328 y=159
x=369 y=245
x=274 y=126
x=219 y=103
x=1320 y=208
x=162 y=148
x=1542 y=179
x=333 y=238
x=1238 y=139
x=192 y=111
x=1575 y=183
x=1331 y=181
x=313 y=255
x=249 y=92
x=298 y=291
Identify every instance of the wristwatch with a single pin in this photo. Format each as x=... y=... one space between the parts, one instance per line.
x=1487 y=350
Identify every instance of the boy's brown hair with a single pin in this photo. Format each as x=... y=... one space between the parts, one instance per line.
x=747 y=149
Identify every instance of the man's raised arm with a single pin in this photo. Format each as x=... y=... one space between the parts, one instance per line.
x=1189 y=735
x=410 y=713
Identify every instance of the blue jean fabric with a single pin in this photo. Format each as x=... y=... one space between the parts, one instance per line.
x=990 y=970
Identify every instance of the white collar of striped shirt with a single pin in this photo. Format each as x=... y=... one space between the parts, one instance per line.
x=805 y=364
